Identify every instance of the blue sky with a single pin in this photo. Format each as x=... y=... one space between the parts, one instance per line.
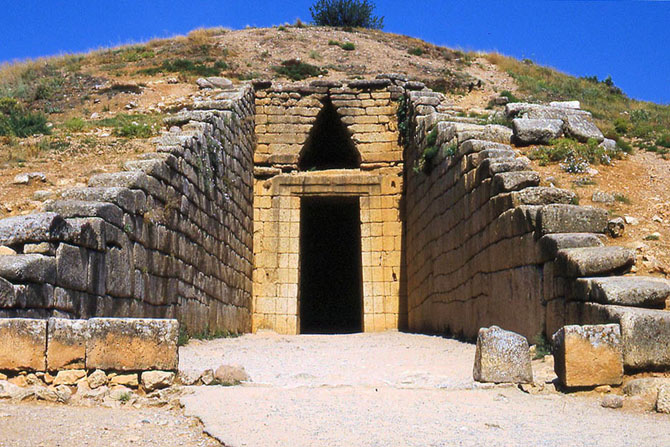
x=628 y=40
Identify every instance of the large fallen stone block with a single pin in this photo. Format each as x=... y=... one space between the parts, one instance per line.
x=590 y=355
x=638 y=291
x=594 y=261
x=552 y=243
x=28 y=268
x=581 y=128
x=572 y=219
x=125 y=344
x=502 y=357
x=536 y=131
x=66 y=348
x=35 y=227
x=645 y=332
x=23 y=344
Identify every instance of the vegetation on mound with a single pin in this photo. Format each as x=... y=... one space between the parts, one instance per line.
x=297 y=70
x=617 y=114
x=575 y=157
x=15 y=121
x=346 y=13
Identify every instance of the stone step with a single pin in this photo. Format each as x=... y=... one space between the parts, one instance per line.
x=594 y=261
x=638 y=291
x=645 y=332
x=84 y=208
x=552 y=243
x=572 y=219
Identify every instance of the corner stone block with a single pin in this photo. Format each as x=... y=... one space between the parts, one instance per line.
x=23 y=344
x=588 y=356
x=66 y=348
x=126 y=344
x=572 y=219
x=502 y=357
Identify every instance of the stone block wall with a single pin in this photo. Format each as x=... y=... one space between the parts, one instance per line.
x=472 y=215
x=170 y=237
x=286 y=114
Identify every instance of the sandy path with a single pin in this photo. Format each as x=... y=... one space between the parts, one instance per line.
x=390 y=389
x=53 y=425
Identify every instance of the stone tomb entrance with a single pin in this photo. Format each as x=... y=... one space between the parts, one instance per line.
x=331 y=287
x=327 y=229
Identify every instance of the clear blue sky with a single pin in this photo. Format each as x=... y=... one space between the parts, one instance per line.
x=629 y=40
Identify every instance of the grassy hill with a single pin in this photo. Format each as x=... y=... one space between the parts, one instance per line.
x=75 y=115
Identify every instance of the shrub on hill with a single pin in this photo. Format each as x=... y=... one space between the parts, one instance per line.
x=18 y=122
x=346 y=13
x=297 y=70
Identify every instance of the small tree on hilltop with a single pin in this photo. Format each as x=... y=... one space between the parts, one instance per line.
x=346 y=13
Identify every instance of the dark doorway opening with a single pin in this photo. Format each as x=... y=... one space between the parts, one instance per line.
x=329 y=144
x=331 y=295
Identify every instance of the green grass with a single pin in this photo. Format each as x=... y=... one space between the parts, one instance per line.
x=74 y=124
x=416 y=51
x=622 y=198
x=347 y=46
x=16 y=121
x=132 y=126
x=297 y=70
x=573 y=154
x=187 y=67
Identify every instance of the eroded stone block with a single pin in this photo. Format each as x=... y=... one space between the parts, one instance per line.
x=23 y=344
x=590 y=355
x=126 y=344
x=502 y=357
x=67 y=344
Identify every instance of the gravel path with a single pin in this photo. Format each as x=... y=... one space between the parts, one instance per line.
x=379 y=359
x=390 y=389
x=53 y=425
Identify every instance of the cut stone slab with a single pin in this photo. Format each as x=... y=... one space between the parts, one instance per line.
x=67 y=344
x=566 y=104
x=502 y=357
x=561 y=218
x=156 y=380
x=594 y=261
x=645 y=386
x=124 y=379
x=515 y=181
x=536 y=131
x=542 y=195
x=663 y=399
x=637 y=291
x=125 y=344
x=582 y=128
x=69 y=377
x=645 y=332
x=23 y=344
x=552 y=243
x=589 y=355
x=97 y=379
x=28 y=268
x=230 y=375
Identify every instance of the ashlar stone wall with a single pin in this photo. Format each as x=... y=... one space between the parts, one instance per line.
x=170 y=237
x=286 y=116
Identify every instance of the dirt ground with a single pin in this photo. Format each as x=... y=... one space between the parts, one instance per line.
x=344 y=390
x=53 y=425
x=393 y=389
